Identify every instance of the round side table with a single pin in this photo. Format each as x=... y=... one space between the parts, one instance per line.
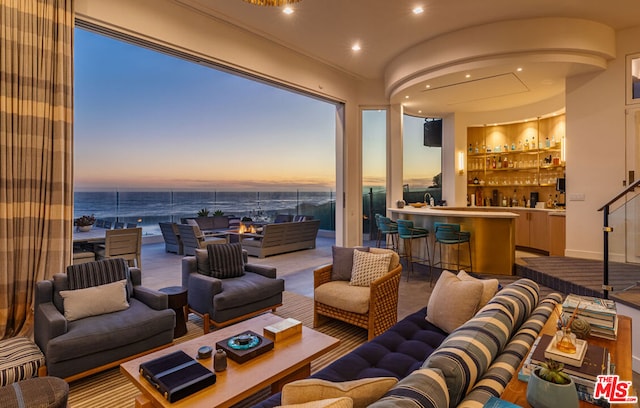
x=178 y=302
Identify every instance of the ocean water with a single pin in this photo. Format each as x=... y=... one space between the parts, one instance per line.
x=147 y=209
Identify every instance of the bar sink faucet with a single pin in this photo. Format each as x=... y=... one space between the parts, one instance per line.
x=430 y=202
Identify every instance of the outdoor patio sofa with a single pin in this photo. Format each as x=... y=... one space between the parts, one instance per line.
x=282 y=237
x=84 y=322
x=434 y=368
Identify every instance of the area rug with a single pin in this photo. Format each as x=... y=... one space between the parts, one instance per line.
x=110 y=389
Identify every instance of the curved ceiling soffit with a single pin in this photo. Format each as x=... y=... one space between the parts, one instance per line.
x=560 y=40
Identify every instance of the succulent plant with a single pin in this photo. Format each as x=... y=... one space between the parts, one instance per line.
x=553 y=371
x=203 y=212
x=218 y=213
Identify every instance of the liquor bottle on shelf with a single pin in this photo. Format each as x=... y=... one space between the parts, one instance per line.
x=526 y=144
x=470 y=148
x=547 y=142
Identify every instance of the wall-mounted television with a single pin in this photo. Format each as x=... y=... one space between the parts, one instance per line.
x=433 y=132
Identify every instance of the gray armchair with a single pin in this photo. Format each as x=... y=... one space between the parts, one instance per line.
x=224 y=301
x=76 y=348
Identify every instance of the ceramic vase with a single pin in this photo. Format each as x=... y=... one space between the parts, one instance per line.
x=220 y=360
x=84 y=228
x=544 y=394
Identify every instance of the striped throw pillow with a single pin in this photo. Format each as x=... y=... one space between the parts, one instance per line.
x=226 y=260
x=90 y=274
x=20 y=359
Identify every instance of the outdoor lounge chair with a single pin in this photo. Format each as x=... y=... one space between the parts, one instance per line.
x=171 y=235
x=192 y=238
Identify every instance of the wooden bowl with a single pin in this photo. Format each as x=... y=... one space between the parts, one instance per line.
x=417 y=205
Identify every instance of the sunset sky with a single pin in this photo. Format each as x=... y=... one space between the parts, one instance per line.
x=148 y=121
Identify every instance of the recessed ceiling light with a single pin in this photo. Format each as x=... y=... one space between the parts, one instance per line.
x=418 y=10
x=406 y=97
x=287 y=10
x=519 y=69
x=419 y=111
x=355 y=47
x=428 y=86
x=468 y=76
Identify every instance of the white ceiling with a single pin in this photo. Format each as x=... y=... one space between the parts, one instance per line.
x=326 y=29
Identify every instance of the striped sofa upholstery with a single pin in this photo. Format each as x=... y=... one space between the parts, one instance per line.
x=423 y=388
x=495 y=380
x=20 y=359
x=467 y=352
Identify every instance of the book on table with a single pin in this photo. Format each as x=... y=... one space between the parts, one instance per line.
x=584 y=387
x=589 y=306
x=594 y=362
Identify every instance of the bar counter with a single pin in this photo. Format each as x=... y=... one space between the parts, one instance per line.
x=492 y=235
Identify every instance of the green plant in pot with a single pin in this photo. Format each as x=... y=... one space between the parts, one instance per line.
x=203 y=212
x=550 y=387
x=218 y=213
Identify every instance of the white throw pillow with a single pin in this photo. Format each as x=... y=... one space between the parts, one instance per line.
x=363 y=392
x=95 y=300
x=453 y=301
x=368 y=267
x=490 y=287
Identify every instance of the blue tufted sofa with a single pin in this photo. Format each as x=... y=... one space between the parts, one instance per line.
x=426 y=360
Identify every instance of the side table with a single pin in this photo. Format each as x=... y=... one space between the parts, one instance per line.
x=178 y=302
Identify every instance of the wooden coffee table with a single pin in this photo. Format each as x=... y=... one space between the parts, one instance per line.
x=289 y=360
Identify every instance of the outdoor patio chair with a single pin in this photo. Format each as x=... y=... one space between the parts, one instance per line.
x=122 y=243
x=192 y=238
x=171 y=235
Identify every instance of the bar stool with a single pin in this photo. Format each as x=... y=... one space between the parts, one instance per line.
x=407 y=232
x=388 y=228
x=450 y=234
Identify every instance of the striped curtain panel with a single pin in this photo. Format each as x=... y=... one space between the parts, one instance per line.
x=36 y=179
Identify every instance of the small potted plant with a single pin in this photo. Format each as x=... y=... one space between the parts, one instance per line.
x=203 y=212
x=549 y=386
x=85 y=222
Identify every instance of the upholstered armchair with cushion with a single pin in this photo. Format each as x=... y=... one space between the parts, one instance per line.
x=96 y=316
x=360 y=288
x=223 y=288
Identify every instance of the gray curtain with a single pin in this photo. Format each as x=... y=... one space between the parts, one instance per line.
x=36 y=180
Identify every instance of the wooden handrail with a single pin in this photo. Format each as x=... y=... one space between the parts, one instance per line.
x=630 y=188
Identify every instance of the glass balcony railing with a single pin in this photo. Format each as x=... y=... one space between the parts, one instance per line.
x=147 y=209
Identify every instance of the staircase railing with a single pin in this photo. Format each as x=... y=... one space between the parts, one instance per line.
x=607 y=229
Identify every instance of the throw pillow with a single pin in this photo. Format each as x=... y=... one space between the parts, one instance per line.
x=368 y=267
x=226 y=260
x=326 y=403
x=343 y=262
x=95 y=300
x=489 y=287
x=453 y=301
x=363 y=392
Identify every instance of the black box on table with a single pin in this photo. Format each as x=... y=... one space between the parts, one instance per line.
x=177 y=375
